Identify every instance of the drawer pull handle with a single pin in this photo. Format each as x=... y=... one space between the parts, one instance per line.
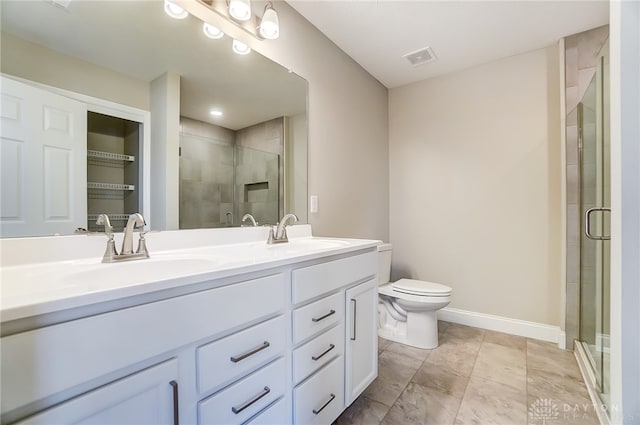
x=315 y=412
x=331 y=347
x=317 y=319
x=248 y=403
x=176 y=417
x=259 y=348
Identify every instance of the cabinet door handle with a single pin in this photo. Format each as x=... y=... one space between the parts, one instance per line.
x=355 y=305
x=315 y=412
x=176 y=418
x=248 y=403
x=317 y=319
x=331 y=347
x=251 y=352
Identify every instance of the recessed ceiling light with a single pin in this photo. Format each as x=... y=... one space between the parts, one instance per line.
x=240 y=48
x=212 y=31
x=216 y=113
x=174 y=10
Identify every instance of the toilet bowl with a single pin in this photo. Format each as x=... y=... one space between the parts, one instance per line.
x=407 y=308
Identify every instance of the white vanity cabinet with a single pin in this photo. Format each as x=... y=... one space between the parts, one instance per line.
x=147 y=397
x=290 y=344
x=325 y=382
x=361 y=338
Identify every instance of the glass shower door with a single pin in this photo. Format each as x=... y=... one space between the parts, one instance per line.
x=593 y=120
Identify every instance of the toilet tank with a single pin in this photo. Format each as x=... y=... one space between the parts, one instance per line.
x=384 y=263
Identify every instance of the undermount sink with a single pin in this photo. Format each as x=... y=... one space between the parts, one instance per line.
x=154 y=268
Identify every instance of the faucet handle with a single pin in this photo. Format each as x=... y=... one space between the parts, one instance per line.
x=103 y=220
x=142 y=245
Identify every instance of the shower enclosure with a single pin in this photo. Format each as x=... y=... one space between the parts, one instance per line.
x=222 y=181
x=594 y=160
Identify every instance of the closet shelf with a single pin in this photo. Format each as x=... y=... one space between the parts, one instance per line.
x=110 y=155
x=110 y=186
x=112 y=217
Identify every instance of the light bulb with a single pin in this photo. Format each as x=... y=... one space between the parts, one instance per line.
x=240 y=9
x=174 y=10
x=240 y=48
x=270 y=26
x=212 y=31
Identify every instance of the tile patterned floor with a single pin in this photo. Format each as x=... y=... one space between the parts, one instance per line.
x=474 y=377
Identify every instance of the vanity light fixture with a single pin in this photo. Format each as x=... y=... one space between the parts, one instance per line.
x=270 y=25
x=240 y=48
x=174 y=10
x=240 y=9
x=212 y=31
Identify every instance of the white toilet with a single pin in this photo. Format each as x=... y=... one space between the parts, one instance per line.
x=407 y=308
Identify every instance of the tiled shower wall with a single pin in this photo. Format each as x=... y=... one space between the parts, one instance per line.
x=207 y=173
x=264 y=137
x=581 y=52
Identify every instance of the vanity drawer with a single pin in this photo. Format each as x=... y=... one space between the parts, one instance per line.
x=229 y=358
x=245 y=398
x=321 y=399
x=317 y=316
x=317 y=352
x=278 y=413
x=310 y=282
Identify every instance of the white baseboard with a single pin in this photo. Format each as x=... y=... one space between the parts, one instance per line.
x=504 y=324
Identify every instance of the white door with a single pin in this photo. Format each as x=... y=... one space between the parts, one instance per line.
x=361 y=338
x=147 y=397
x=43 y=138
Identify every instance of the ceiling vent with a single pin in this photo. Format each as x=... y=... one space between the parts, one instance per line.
x=421 y=56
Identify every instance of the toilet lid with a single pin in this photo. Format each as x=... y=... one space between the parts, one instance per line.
x=421 y=287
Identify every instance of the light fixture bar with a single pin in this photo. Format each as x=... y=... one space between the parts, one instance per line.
x=200 y=9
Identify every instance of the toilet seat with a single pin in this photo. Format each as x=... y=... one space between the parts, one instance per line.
x=421 y=288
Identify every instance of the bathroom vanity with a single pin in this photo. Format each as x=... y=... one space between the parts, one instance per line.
x=216 y=333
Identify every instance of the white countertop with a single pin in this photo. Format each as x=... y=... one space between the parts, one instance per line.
x=31 y=288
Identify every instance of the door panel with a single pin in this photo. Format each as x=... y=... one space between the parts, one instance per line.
x=44 y=169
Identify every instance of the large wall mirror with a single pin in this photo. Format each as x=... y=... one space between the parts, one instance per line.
x=248 y=156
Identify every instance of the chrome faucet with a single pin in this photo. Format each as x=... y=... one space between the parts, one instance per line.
x=280 y=235
x=111 y=254
x=135 y=221
x=249 y=217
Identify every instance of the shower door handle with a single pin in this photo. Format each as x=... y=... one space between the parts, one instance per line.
x=587 y=224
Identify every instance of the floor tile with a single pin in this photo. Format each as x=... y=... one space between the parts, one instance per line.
x=490 y=402
x=502 y=364
x=363 y=411
x=549 y=385
x=384 y=391
x=441 y=379
x=382 y=344
x=456 y=355
x=548 y=357
x=474 y=377
x=405 y=350
x=467 y=333
x=506 y=340
x=410 y=409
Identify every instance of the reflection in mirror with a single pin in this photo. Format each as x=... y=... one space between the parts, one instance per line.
x=249 y=158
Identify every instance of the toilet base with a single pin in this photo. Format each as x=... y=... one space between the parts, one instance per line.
x=420 y=330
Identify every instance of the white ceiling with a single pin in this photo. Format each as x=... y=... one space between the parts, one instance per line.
x=376 y=34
